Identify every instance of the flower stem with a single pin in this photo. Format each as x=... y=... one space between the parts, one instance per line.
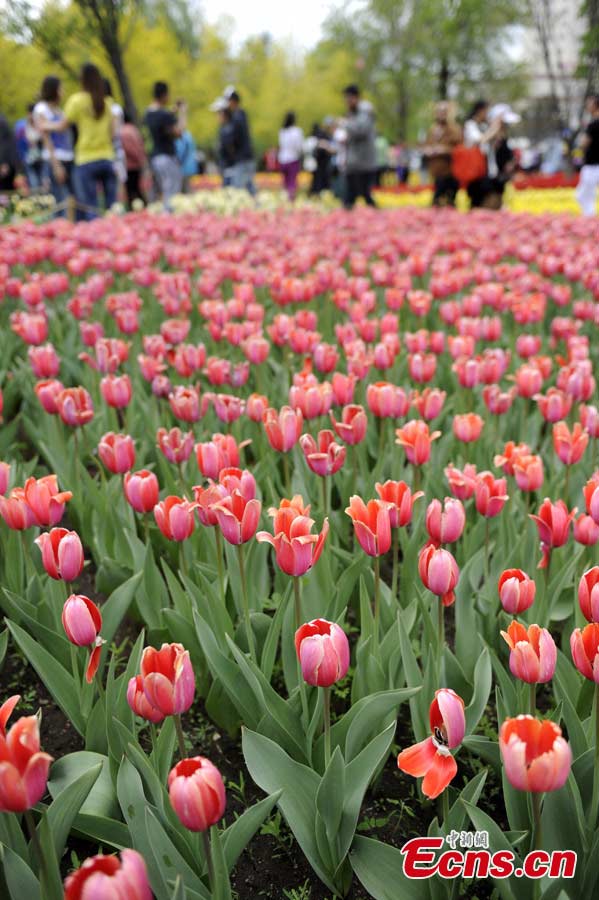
x=377 y=600
x=246 y=605
x=395 y=553
x=219 y=563
x=209 y=863
x=536 y=820
x=532 y=699
x=567 y=487
x=286 y=475
x=323 y=481
x=297 y=607
x=487 y=529
x=180 y=736
x=445 y=806
x=595 y=797
x=326 y=719
x=35 y=839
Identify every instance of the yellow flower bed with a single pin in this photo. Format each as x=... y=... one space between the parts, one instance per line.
x=531 y=200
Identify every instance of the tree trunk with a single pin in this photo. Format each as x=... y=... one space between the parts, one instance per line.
x=443 y=85
x=116 y=60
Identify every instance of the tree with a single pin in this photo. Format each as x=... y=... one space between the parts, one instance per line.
x=589 y=62
x=409 y=51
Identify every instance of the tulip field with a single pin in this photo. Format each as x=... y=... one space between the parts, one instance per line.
x=298 y=571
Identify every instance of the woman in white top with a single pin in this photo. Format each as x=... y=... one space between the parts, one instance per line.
x=58 y=145
x=291 y=147
x=483 y=191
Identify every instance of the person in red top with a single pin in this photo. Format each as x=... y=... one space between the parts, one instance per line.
x=136 y=160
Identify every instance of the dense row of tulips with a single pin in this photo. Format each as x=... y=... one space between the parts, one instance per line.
x=427 y=380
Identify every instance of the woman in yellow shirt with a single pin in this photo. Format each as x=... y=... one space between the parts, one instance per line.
x=90 y=110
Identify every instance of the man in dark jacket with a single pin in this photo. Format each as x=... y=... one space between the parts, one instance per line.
x=360 y=158
x=243 y=169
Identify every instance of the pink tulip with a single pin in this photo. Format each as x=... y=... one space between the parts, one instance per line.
x=175 y=518
x=533 y=653
x=296 y=548
x=445 y=524
x=401 y=499
x=62 y=553
x=107 y=878
x=4 y=477
x=516 y=591
x=588 y=594
x=323 y=651
x=116 y=390
x=238 y=517
x=117 y=452
x=438 y=572
x=324 y=455
x=197 y=793
x=535 y=755
x=81 y=620
x=141 y=490
x=23 y=766
x=584 y=645
x=168 y=678
x=174 y=444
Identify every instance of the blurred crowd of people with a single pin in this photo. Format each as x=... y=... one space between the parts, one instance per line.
x=88 y=149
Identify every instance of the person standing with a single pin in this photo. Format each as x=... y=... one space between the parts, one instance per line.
x=36 y=168
x=382 y=147
x=186 y=150
x=360 y=159
x=586 y=192
x=58 y=144
x=136 y=160
x=478 y=133
x=90 y=111
x=244 y=167
x=291 y=148
x=164 y=127
x=9 y=157
x=443 y=136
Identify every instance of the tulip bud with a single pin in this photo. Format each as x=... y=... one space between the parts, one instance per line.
x=168 y=678
x=174 y=516
x=584 y=645
x=197 y=793
x=588 y=594
x=516 y=591
x=323 y=651
x=438 y=572
x=107 y=878
x=141 y=490
x=81 y=620
x=4 y=476
x=62 y=553
x=445 y=524
x=117 y=452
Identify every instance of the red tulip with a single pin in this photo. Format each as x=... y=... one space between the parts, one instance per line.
x=141 y=490
x=416 y=440
x=372 y=524
x=283 y=428
x=81 y=620
x=432 y=758
x=197 y=793
x=516 y=591
x=324 y=456
x=591 y=497
x=220 y=453
x=47 y=392
x=296 y=548
x=46 y=501
x=75 y=407
x=352 y=426
x=467 y=427
x=553 y=524
x=533 y=653
x=588 y=594
x=489 y=494
x=23 y=766
x=462 y=484
x=586 y=530
x=401 y=499
x=62 y=553
x=238 y=517
x=168 y=678
x=323 y=652
x=535 y=755
x=105 y=878
x=116 y=390
x=174 y=444
x=438 y=572
x=569 y=445
x=446 y=523
x=174 y=516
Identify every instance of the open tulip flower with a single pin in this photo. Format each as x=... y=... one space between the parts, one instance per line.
x=109 y=878
x=535 y=756
x=351 y=428
x=569 y=445
x=45 y=500
x=23 y=766
x=432 y=759
x=401 y=499
x=533 y=653
x=372 y=524
x=296 y=548
x=416 y=439
x=553 y=524
x=323 y=455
